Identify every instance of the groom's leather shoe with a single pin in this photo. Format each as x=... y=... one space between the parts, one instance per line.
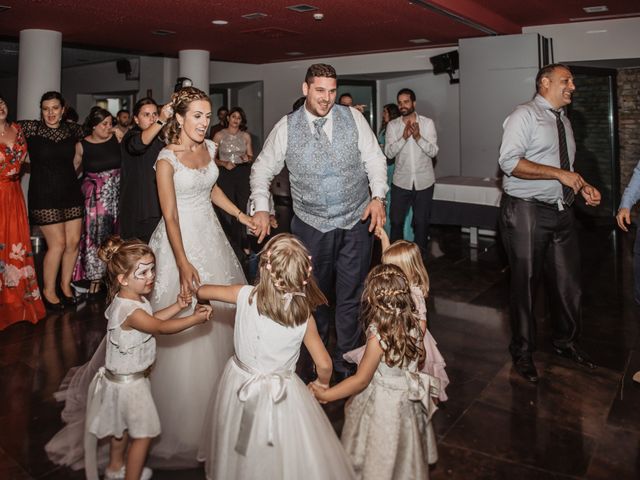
x=575 y=353
x=526 y=368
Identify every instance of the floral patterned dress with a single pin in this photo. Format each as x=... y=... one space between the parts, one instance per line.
x=19 y=292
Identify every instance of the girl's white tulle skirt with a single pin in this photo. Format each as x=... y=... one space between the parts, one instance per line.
x=305 y=446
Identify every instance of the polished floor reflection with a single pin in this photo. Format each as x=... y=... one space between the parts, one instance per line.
x=574 y=424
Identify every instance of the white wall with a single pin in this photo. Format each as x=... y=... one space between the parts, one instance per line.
x=597 y=40
x=282 y=81
x=438 y=100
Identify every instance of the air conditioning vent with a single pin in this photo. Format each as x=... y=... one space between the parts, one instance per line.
x=301 y=8
x=254 y=16
x=163 y=33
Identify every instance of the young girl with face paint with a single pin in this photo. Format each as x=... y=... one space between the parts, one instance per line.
x=119 y=403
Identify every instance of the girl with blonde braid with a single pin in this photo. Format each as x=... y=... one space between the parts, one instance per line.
x=264 y=423
x=387 y=431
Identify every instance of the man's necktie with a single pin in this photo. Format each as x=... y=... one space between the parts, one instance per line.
x=318 y=123
x=567 y=192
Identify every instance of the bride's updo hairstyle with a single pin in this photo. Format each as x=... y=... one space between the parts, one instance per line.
x=286 y=291
x=180 y=102
x=121 y=257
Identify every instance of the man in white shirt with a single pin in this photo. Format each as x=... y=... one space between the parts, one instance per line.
x=334 y=160
x=412 y=140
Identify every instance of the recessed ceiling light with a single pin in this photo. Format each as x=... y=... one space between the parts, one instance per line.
x=254 y=16
x=302 y=7
x=420 y=40
x=294 y=54
x=596 y=9
x=163 y=33
x=219 y=22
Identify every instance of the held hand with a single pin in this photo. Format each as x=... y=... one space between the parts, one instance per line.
x=184 y=300
x=189 y=278
x=624 y=218
x=591 y=195
x=203 y=312
x=318 y=390
x=375 y=210
x=247 y=221
x=263 y=226
x=384 y=238
x=273 y=221
x=572 y=179
x=166 y=112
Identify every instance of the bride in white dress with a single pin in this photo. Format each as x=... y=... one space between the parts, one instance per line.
x=190 y=248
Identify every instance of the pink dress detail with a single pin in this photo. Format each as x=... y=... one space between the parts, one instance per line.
x=434 y=364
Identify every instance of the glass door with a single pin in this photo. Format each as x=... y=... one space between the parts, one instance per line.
x=593 y=113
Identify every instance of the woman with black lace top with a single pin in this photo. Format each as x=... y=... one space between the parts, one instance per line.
x=55 y=198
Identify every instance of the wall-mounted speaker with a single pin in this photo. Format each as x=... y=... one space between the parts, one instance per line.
x=446 y=63
x=124 y=66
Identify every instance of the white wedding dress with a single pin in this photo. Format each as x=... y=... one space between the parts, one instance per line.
x=189 y=364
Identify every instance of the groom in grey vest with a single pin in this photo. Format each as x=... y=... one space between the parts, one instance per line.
x=338 y=178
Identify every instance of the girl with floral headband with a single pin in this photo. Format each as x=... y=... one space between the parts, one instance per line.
x=119 y=404
x=263 y=422
x=386 y=430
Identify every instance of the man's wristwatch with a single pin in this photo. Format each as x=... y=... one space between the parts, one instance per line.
x=161 y=123
x=382 y=200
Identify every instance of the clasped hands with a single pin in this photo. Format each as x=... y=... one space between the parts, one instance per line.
x=411 y=129
x=317 y=389
x=575 y=181
x=202 y=310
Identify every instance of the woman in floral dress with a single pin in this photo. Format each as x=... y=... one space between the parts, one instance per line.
x=19 y=292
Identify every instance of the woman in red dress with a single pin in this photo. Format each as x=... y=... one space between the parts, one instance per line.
x=19 y=292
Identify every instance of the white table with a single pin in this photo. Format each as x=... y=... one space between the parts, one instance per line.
x=469 y=202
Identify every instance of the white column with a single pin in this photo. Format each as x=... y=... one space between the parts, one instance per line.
x=194 y=64
x=39 y=69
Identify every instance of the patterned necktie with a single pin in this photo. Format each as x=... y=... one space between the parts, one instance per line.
x=567 y=192
x=318 y=123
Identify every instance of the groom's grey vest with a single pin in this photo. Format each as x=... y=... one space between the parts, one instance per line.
x=329 y=183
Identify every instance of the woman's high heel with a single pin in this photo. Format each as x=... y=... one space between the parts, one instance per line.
x=56 y=307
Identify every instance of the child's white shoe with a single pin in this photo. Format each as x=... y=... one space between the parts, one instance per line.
x=147 y=473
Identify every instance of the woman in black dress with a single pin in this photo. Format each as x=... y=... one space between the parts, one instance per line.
x=55 y=199
x=139 y=205
x=100 y=151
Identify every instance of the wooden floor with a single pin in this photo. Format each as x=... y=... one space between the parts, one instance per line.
x=574 y=424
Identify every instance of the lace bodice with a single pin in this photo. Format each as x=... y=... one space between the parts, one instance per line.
x=192 y=185
x=128 y=351
x=66 y=130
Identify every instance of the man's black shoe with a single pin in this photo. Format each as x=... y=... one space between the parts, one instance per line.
x=575 y=353
x=526 y=369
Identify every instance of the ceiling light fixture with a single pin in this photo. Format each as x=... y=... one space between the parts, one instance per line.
x=454 y=16
x=219 y=22
x=420 y=40
x=596 y=9
x=294 y=54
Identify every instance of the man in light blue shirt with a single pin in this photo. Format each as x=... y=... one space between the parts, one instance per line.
x=630 y=197
x=536 y=219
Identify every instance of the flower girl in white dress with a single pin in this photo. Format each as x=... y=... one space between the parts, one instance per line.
x=264 y=423
x=386 y=430
x=119 y=403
